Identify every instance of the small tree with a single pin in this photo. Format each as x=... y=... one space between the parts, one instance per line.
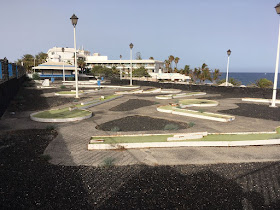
x=102 y=71
x=81 y=63
x=35 y=76
x=264 y=83
x=140 y=72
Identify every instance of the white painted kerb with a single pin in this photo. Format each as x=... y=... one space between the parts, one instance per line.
x=183 y=144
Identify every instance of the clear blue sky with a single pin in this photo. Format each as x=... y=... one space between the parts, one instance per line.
x=196 y=31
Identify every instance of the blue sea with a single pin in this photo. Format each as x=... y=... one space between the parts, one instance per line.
x=247 y=78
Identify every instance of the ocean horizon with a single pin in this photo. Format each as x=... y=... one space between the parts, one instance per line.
x=247 y=78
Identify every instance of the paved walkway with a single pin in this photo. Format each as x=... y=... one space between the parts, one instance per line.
x=70 y=146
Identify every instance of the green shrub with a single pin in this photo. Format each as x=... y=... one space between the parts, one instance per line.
x=63 y=87
x=108 y=162
x=140 y=72
x=191 y=124
x=231 y=80
x=115 y=129
x=278 y=130
x=35 y=76
x=70 y=78
x=171 y=126
x=264 y=83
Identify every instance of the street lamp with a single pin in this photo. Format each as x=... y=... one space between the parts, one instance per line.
x=63 y=64
x=228 y=53
x=131 y=46
x=74 y=20
x=120 y=67
x=273 y=102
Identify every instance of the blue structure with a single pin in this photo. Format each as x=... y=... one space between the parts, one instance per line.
x=10 y=70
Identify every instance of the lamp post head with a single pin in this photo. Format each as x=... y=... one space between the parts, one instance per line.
x=120 y=56
x=228 y=52
x=131 y=45
x=74 y=20
x=62 y=49
x=278 y=8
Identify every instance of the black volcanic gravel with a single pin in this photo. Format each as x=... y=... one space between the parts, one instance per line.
x=28 y=181
x=31 y=100
x=132 y=104
x=259 y=111
x=139 y=123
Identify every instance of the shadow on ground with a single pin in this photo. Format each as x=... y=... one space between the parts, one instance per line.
x=28 y=181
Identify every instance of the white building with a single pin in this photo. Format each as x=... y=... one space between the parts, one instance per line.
x=52 y=69
x=170 y=76
x=55 y=54
x=124 y=65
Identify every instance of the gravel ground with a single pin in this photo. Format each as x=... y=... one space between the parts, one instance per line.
x=28 y=181
x=140 y=123
x=259 y=111
x=132 y=104
x=30 y=100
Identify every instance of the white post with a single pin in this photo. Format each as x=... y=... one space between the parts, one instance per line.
x=63 y=68
x=76 y=71
x=130 y=67
x=273 y=102
x=34 y=65
x=120 y=68
x=227 y=71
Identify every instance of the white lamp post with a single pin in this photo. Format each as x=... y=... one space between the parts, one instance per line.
x=131 y=46
x=273 y=102
x=120 y=67
x=63 y=64
x=228 y=53
x=74 y=20
x=34 y=63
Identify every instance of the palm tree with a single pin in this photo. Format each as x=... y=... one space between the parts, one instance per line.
x=171 y=59
x=205 y=73
x=151 y=58
x=176 y=60
x=186 y=70
x=41 y=57
x=28 y=61
x=196 y=74
x=81 y=63
x=167 y=64
x=216 y=75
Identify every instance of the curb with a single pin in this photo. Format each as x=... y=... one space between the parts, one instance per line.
x=183 y=144
x=68 y=95
x=260 y=100
x=227 y=118
x=180 y=95
x=101 y=102
x=59 y=119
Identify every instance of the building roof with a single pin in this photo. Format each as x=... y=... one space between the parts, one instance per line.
x=55 y=66
x=124 y=61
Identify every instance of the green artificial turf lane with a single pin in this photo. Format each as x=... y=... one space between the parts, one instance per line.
x=62 y=113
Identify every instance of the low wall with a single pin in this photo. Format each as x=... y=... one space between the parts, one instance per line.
x=8 y=89
x=232 y=91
